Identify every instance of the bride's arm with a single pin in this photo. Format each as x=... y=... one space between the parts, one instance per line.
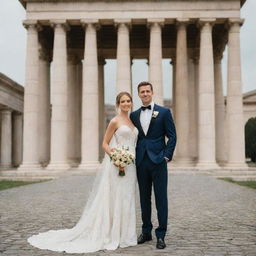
x=108 y=135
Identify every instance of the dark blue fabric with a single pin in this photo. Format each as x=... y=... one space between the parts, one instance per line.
x=154 y=142
x=150 y=173
x=152 y=167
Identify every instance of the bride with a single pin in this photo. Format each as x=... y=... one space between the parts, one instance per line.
x=108 y=220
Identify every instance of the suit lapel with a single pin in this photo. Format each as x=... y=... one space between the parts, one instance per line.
x=138 y=122
x=153 y=120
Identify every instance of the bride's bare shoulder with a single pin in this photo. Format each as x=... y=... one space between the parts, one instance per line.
x=114 y=122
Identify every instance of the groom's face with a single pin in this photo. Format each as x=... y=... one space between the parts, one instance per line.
x=145 y=94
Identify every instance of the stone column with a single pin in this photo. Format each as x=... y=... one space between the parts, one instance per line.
x=155 y=59
x=123 y=82
x=181 y=96
x=219 y=111
x=102 y=118
x=192 y=92
x=79 y=113
x=74 y=113
x=206 y=101
x=30 y=128
x=59 y=98
x=196 y=81
x=44 y=120
x=6 y=139
x=90 y=98
x=235 y=124
x=17 y=138
x=173 y=63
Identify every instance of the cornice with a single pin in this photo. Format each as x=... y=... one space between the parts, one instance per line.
x=24 y=2
x=5 y=80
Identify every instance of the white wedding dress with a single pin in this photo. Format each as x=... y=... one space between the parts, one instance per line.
x=108 y=220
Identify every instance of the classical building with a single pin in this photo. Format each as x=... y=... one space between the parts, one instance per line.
x=11 y=115
x=68 y=42
x=249 y=101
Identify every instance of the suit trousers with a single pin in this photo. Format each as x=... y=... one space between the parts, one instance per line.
x=148 y=174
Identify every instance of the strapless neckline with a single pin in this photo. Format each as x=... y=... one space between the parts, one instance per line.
x=131 y=129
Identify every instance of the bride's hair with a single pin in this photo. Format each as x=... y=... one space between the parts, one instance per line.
x=120 y=95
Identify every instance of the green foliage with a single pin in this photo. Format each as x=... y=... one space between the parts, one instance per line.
x=248 y=183
x=5 y=184
x=250 y=139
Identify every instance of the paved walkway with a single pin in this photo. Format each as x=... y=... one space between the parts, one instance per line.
x=206 y=216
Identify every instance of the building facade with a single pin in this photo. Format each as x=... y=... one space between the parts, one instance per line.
x=67 y=45
x=249 y=102
x=11 y=122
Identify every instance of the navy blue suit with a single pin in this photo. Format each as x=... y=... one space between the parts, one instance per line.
x=152 y=167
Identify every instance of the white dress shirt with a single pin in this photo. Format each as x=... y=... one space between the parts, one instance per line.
x=145 y=118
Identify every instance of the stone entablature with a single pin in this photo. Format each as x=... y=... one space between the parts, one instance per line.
x=138 y=10
x=11 y=94
x=11 y=115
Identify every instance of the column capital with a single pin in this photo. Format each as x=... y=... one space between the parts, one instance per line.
x=6 y=110
x=123 y=21
x=60 y=23
x=90 y=22
x=234 y=24
x=32 y=24
x=17 y=113
x=182 y=22
x=155 y=22
x=206 y=22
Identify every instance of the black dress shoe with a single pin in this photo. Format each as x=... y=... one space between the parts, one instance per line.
x=144 y=237
x=160 y=244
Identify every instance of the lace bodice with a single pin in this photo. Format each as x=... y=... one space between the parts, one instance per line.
x=126 y=137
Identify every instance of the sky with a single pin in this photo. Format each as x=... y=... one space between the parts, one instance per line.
x=13 y=49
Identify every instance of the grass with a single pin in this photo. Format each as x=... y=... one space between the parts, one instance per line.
x=249 y=183
x=6 y=184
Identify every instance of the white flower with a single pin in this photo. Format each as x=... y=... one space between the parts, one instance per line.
x=121 y=157
x=155 y=114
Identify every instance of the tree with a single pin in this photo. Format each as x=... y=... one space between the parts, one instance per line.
x=250 y=139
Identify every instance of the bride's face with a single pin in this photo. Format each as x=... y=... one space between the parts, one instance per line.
x=125 y=103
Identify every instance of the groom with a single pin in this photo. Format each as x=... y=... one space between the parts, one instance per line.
x=152 y=154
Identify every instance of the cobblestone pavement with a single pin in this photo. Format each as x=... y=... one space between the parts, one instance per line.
x=206 y=216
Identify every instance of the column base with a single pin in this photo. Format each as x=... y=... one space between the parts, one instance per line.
x=222 y=163
x=207 y=165
x=236 y=165
x=6 y=166
x=29 y=167
x=58 y=166
x=183 y=162
x=91 y=166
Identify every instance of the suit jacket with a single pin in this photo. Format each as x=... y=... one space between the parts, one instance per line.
x=161 y=126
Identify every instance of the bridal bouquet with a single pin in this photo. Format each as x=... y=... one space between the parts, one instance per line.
x=121 y=157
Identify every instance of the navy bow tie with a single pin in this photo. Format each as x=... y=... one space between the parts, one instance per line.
x=147 y=107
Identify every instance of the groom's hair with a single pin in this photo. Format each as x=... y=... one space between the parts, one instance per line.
x=145 y=83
